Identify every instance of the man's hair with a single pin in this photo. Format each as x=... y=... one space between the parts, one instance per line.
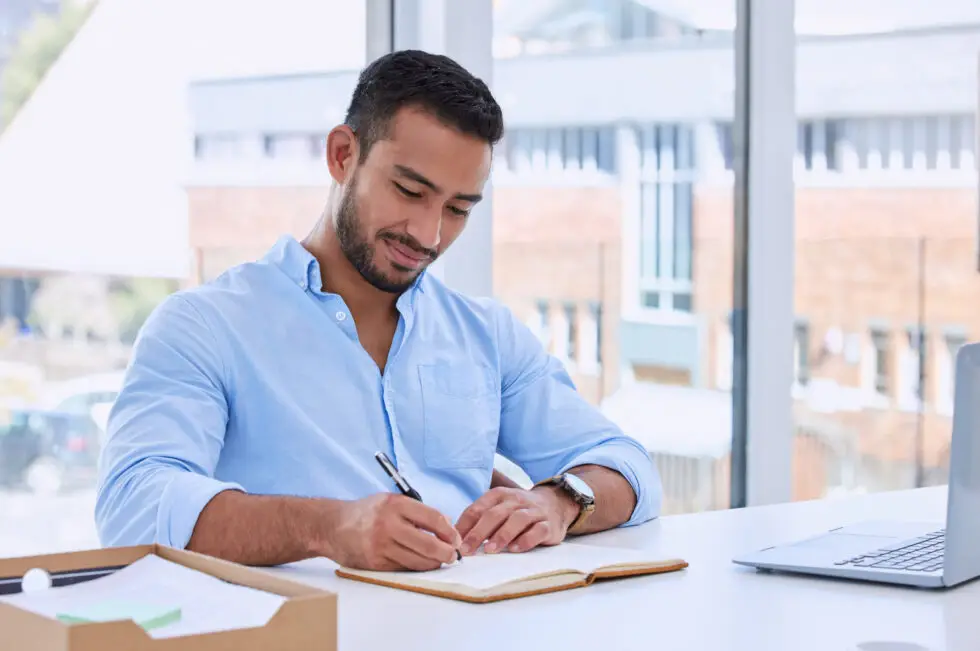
x=432 y=83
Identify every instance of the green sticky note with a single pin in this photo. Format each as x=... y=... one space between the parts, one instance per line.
x=149 y=616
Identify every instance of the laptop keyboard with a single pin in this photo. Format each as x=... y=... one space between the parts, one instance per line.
x=924 y=554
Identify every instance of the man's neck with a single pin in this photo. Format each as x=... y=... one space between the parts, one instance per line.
x=338 y=276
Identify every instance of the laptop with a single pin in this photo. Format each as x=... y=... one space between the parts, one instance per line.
x=932 y=555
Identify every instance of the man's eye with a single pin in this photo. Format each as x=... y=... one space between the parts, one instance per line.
x=407 y=192
x=459 y=211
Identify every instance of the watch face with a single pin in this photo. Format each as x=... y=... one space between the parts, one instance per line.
x=579 y=486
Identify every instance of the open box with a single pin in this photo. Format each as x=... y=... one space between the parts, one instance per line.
x=306 y=620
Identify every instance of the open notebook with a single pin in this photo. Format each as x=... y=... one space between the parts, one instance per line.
x=493 y=577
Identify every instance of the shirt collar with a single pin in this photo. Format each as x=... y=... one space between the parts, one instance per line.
x=301 y=267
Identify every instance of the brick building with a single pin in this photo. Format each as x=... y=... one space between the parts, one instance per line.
x=613 y=221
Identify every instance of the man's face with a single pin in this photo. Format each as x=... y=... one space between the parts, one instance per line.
x=410 y=199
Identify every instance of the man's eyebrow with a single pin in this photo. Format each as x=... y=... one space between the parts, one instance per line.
x=409 y=173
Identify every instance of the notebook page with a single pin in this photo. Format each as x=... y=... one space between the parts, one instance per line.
x=208 y=604
x=485 y=571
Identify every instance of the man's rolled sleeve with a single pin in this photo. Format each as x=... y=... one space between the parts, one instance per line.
x=183 y=499
x=629 y=459
x=547 y=427
x=165 y=434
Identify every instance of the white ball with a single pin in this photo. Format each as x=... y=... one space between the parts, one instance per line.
x=36 y=580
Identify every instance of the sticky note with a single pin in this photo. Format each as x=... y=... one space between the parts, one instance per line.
x=149 y=616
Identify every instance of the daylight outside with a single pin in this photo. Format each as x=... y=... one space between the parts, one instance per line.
x=123 y=179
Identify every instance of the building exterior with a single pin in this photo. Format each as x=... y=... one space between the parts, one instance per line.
x=613 y=216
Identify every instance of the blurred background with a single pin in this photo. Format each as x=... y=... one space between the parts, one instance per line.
x=146 y=146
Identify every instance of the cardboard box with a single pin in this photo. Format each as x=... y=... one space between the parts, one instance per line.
x=307 y=620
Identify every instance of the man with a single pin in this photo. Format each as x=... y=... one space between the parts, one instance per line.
x=254 y=405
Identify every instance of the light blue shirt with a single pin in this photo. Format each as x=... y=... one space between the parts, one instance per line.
x=257 y=382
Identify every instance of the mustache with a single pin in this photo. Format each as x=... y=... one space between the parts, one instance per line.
x=411 y=243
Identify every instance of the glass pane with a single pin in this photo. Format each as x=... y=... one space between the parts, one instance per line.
x=683 y=217
x=649 y=231
x=886 y=258
x=141 y=198
x=646 y=238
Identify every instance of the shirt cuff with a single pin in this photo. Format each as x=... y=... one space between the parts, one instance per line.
x=633 y=463
x=181 y=504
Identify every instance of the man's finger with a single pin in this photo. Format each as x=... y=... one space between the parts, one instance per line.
x=429 y=519
x=405 y=558
x=422 y=543
x=537 y=534
x=488 y=524
x=475 y=511
x=517 y=523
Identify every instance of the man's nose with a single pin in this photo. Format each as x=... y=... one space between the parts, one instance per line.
x=426 y=228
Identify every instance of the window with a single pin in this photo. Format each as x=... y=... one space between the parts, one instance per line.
x=539 y=322
x=911 y=369
x=946 y=372
x=963 y=142
x=571 y=346
x=223 y=147
x=560 y=343
x=801 y=355
x=666 y=216
x=878 y=363
x=559 y=150
x=816 y=144
x=71 y=310
x=297 y=147
x=590 y=344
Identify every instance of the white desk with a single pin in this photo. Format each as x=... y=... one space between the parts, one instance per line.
x=714 y=605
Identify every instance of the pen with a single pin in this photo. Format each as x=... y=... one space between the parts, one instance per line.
x=403 y=485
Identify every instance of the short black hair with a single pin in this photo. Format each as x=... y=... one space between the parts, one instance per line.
x=433 y=83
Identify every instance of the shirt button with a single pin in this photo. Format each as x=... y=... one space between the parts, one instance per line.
x=340 y=316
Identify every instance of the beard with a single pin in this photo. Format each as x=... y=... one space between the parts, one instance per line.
x=360 y=252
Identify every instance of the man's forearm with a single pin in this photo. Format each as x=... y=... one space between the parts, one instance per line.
x=264 y=530
x=499 y=479
x=614 y=498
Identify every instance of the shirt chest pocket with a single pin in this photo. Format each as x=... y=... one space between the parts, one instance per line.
x=461 y=415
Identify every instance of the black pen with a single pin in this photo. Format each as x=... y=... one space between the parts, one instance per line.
x=402 y=484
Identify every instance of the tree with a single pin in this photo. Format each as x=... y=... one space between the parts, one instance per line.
x=38 y=48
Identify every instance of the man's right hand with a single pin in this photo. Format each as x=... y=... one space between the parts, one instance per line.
x=392 y=532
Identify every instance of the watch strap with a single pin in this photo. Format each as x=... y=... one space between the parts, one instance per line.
x=585 y=508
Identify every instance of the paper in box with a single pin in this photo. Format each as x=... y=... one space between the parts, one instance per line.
x=306 y=620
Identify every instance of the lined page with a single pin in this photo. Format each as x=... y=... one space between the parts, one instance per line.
x=485 y=571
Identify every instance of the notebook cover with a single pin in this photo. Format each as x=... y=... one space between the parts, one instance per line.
x=659 y=568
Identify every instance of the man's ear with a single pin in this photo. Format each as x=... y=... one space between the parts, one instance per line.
x=342 y=153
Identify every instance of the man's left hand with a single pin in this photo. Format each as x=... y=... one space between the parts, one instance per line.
x=516 y=520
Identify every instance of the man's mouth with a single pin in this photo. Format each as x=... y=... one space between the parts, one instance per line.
x=405 y=256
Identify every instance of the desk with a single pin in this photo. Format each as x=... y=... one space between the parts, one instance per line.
x=714 y=605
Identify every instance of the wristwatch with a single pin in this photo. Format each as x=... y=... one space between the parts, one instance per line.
x=579 y=491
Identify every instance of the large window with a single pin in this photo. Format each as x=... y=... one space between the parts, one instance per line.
x=110 y=200
x=612 y=205
x=616 y=229
x=886 y=224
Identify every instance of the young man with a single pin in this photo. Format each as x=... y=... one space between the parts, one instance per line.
x=254 y=405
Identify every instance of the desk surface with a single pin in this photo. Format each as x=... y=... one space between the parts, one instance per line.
x=713 y=605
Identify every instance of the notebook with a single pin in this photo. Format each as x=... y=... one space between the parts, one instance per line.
x=485 y=578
